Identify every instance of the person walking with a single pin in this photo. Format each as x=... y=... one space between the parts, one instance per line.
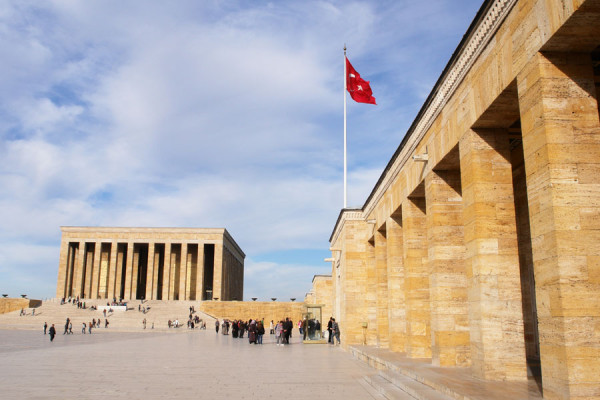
x=260 y=331
x=45 y=327
x=329 y=334
x=336 y=331
x=52 y=333
x=279 y=333
x=83 y=328
x=217 y=326
x=66 y=326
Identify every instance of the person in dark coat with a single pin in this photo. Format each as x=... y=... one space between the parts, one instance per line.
x=52 y=332
x=252 y=332
x=45 y=327
x=288 y=325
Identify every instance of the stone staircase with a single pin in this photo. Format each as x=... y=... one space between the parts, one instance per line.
x=157 y=313
x=397 y=377
x=395 y=386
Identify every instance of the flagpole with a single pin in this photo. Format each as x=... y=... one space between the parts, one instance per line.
x=345 y=162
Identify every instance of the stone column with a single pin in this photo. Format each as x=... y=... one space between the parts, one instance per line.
x=356 y=300
x=96 y=270
x=200 y=272
x=120 y=279
x=71 y=268
x=447 y=273
x=381 y=289
x=88 y=259
x=173 y=262
x=561 y=146
x=63 y=265
x=155 y=273
x=495 y=308
x=134 y=271
x=112 y=270
x=183 y=266
x=78 y=268
x=166 y=282
x=218 y=272
x=395 y=284
x=128 y=271
x=416 y=278
x=150 y=273
x=188 y=275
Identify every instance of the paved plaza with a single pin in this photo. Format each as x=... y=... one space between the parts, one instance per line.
x=176 y=364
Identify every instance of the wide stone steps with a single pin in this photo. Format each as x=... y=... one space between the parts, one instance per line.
x=158 y=313
x=395 y=386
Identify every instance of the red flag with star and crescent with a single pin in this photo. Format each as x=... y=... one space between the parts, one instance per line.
x=359 y=89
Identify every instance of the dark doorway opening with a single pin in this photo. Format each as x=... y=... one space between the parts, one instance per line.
x=209 y=271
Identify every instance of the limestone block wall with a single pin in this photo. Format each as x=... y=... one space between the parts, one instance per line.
x=321 y=293
x=11 y=304
x=245 y=310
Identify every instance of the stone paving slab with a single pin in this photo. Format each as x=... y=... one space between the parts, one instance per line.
x=193 y=364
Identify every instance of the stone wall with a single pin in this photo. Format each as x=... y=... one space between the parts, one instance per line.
x=267 y=310
x=8 y=305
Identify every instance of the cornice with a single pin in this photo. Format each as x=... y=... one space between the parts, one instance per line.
x=345 y=215
x=466 y=55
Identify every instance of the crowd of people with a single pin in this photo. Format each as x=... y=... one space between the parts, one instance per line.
x=310 y=329
x=254 y=328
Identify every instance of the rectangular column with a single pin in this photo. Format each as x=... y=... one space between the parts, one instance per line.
x=150 y=273
x=112 y=271
x=561 y=146
x=166 y=283
x=73 y=257
x=96 y=270
x=381 y=288
x=416 y=278
x=218 y=272
x=183 y=272
x=395 y=284
x=157 y=258
x=174 y=263
x=495 y=307
x=189 y=279
x=88 y=259
x=200 y=272
x=128 y=271
x=369 y=286
x=78 y=270
x=450 y=344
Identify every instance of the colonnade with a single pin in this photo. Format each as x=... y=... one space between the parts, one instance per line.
x=479 y=246
x=106 y=263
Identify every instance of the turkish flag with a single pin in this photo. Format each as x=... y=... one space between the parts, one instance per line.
x=359 y=89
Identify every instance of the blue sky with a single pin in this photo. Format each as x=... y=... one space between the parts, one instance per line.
x=204 y=114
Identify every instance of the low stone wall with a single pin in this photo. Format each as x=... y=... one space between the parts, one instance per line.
x=273 y=310
x=8 y=305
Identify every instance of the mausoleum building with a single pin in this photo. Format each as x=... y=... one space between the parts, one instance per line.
x=150 y=263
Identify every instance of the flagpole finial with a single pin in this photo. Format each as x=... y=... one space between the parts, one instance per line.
x=344 y=48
